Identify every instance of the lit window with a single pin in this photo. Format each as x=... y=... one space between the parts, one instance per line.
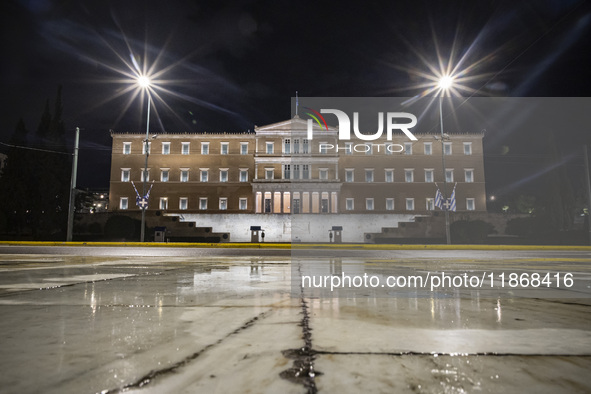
x=127 y=148
x=429 y=175
x=287 y=171
x=145 y=174
x=323 y=173
x=389 y=204
x=348 y=148
x=296 y=146
x=224 y=147
x=305 y=146
x=205 y=148
x=123 y=201
x=349 y=204
x=369 y=175
x=428 y=148
x=185 y=148
x=242 y=204
x=269 y=173
x=369 y=149
x=164 y=175
x=166 y=148
x=184 y=175
x=430 y=204
x=369 y=204
x=296 y=171
x=203 y=203
x=389 y=175
x=223 y=175
x=447 y=148
x=163 y=203
x=409 y=175
x=183 y=203
x=470 y=205
x=125 y=175
x=204 y=175
x=144 y=147
x=287 y=146
x=469 y=175
x=223 y=203
x=323 y=148
x=244 y=148
x=410 y=204
x=305 y=171
x=467 y=148
x=269 y=146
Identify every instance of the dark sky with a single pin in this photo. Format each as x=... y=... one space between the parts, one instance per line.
x=237 y=64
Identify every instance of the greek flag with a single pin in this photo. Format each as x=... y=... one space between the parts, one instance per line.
x=438 y=199
x=452 y=206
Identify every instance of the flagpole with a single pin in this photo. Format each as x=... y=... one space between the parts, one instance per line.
x=447 y=230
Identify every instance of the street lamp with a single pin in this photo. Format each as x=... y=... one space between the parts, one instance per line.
x=445 y=83
x=144 y=83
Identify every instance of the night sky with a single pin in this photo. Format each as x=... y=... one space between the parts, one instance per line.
x=236 y=65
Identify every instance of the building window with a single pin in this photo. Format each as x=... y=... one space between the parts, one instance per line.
x=269 y=173
x=408 y=148
x=287 y=171
x=409 y=175
x=388 y=149
x=223 y=203
x=205 y=148
x=469 y=175
x=323 y=173
x=204 y=175
x=470 y=206
x=447 y=148
x=184 y=175
x=348 y=148
x=127 y=148
x=349 y=204
x=242 y=204
x=323 y=147
x=369 y=204
x=369 y=149
x=430 y=204
x=389 y=204
x=410 y=204
x=428 y=148
x=305 y=171
x=185 y=148
x=467 y=148
x=203 y=203
x=287 y=146
x=123 y=203
x=166 y=148
x=224 y=147
x=349 y=175
x=164 y=175
x=429 y=175
x=244 y=148
x=145 y=174
x=449 y=175
x=296 y=146
x=224 y=175
x=144 y=147
x=296 y=171
x=183 y=203
x=389 y=175
x=269 y=149
x=125 y=175
x=369 y=175
x=243 y=175
x=163 y=203
x=305 y=146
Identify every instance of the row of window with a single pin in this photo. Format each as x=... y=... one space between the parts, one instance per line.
x=409 y=204
x=349 y=204
x=204 y=175
x=186 y=148
x=409 y=175
x=304 y=148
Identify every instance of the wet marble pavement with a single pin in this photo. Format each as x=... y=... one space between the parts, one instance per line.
x=182 y=324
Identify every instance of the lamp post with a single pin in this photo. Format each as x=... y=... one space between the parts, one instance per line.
x=72 y=203
x=144 y=83
x=445 y=83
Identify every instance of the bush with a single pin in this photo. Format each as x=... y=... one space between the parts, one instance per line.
x=470 y=231
x=122 y=227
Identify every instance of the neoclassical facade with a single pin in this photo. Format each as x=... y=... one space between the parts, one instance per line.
x=279 y=169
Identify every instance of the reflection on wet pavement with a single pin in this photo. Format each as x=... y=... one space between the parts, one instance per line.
x=111 y=324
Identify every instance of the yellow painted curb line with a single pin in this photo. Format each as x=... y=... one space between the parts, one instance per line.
x=300 y=246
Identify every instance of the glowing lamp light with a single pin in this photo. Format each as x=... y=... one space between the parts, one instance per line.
x=445 y=82
x=143 y=81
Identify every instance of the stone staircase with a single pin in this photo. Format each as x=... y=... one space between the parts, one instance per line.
x=424 y=229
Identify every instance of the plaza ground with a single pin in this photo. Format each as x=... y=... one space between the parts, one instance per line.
x=196 y=320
